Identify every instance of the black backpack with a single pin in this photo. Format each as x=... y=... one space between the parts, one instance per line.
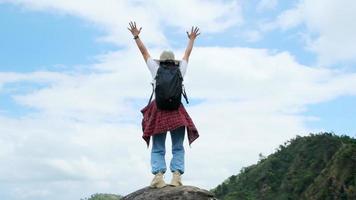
x=169 y=86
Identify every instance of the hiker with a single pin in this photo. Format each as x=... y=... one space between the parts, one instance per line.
x=162 y=115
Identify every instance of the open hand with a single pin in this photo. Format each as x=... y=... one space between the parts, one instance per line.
x=193 y=33
x=133 y=29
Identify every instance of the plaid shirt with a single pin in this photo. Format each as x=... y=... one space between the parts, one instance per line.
x=157 y=121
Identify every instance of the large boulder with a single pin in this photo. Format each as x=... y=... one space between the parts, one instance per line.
x=171 y=193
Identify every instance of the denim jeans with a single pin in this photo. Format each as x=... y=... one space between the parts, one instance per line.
x=158 y=162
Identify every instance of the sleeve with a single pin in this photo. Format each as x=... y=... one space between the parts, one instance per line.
x=183 y=66
x=152 y=66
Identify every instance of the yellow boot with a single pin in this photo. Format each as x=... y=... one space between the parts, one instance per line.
x=176 y=179
x=158 y=181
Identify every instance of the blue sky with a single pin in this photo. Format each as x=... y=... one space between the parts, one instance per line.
x=42 y=41
x=336 y=116
x=71 y=87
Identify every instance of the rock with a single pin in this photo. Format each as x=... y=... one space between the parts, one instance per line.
x=99 y=196
x=169 y=192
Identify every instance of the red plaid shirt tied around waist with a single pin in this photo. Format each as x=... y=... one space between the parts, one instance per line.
x=157 y=121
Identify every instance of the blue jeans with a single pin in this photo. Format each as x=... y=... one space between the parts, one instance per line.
x=158 y=162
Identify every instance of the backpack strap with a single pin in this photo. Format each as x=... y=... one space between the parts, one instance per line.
x=183 y=89
x=153 y=90
x=185 y=94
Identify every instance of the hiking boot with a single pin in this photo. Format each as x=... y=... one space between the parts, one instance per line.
x=176 y=179
x=158 y=181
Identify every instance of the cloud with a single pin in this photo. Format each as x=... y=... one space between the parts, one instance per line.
x=287 y=19
x=336 y=29
x=87 y=130
x=252 y=35
x=264 y=5
x=114 y=16
x=329 y=28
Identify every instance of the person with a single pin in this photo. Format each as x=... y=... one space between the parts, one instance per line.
x=157 y=122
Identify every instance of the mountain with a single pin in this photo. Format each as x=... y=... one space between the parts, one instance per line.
x=318 y=166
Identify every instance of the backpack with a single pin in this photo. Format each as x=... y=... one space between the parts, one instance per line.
x=169 y=86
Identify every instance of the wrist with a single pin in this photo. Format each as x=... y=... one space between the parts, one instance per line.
x=135 y=37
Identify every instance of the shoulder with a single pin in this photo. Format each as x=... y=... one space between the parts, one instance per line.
x=152 y=62
x=183 y=61
x=149 y=60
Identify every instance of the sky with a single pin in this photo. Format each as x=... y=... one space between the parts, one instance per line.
x=73 y=82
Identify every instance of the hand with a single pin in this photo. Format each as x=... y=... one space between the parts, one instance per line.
x=133 y=29
x=193 y=33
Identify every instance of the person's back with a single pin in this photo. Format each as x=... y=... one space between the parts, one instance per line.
x=167 y=83
x=157 y=122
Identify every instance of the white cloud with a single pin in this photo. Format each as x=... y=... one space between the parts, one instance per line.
x=264 y=5
x=252 y=35
x=39 y=76
x=76 y=138
x=153 y=16
x=329 y=25
x=336 y=29
x=288 y=19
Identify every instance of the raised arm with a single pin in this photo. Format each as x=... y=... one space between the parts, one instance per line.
x=135 y=32
x=192 y=36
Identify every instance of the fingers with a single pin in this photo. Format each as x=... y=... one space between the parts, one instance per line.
x=195 y=30
x=132 y=24
x=133 y=27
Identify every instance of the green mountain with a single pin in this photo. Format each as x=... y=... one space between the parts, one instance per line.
x=318 y=166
